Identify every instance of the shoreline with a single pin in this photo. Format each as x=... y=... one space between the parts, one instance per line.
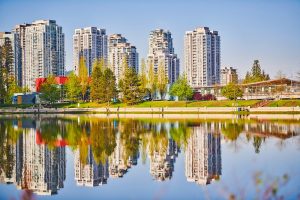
x=156 y=110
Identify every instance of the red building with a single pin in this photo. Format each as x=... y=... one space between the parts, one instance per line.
x=60 y=80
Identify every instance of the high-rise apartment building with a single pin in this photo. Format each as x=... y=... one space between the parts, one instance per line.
x=161 y=52
x=42 y=50
x=202 y=57
x=10 y=40
x=120 y=51
x=228 y=75
x=203 y=156
x=91 y=44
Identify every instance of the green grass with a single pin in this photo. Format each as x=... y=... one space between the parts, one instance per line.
x=148 y=104
x=284 y=103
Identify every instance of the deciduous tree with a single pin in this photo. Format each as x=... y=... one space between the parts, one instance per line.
x=162 y=80
x=182 y=89
x=72 y=87
x=232 y=91
x=49 y=90
x=83 y=78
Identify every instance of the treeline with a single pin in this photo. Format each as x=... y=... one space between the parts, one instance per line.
x=102 y=86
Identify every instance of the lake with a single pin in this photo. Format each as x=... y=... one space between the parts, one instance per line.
x=131 y=156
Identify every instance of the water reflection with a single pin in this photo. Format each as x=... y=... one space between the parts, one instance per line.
x=34 y=156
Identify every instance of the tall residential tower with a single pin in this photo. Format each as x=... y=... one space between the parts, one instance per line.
x=161 y=51
x=89 y=43
x=120 y=51
x=202 y=57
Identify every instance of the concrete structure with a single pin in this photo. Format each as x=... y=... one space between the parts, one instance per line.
x=10 y=39
x=228 y=75
x=121 y=52
x=203 y=156
x=91 y=44
x=42 y=49
x=202 y=57
x=161 y=52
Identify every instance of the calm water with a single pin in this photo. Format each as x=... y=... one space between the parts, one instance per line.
x=144 y=157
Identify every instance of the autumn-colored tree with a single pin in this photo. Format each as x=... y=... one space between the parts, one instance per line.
x=83 y=78
x=162 y=80
x=49 y=90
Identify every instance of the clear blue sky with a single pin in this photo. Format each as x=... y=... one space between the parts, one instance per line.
x=254 y=29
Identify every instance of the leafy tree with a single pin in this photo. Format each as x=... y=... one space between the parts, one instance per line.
x=256 y=74
x=49 y=90
x=152 y=80
x=12 y=88
x=143 y=77
x=72 y=89
x=232 y=91
x=162 y=80
x=182 y=89
x=83 y=78
x=130 y=87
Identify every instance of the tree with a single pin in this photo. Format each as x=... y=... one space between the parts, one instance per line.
x=83 y=78
x=96 y=84
x=72 y=89
x=162 y=80
x=182 y=89
x=131 y=87
x=152 y=80
x=143 y=77
x=49 y=90
x=232 y=91
x=12 y=88
x=110 y=87
x=256 y=74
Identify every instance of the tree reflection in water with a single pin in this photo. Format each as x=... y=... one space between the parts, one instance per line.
x=107 y=147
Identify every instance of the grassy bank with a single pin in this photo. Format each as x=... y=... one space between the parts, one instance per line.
x=148 y=104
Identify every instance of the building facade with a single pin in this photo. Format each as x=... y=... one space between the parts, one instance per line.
x=89 y=43
x=10 y=40
x=121 y=52
x=202 y=56
x=161 y=52
x=42 y=50
x=228 y=75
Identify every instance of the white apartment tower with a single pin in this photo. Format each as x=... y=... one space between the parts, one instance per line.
x=44 y=52
x=161 y=51
x=202 y=57
x=120 y=51
x=203 y=156
x=91 y=44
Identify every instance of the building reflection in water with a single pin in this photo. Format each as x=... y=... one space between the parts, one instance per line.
x=203 y=156
x=118 y=164
x=36 y=167
x=89 y=173
x=34 y=157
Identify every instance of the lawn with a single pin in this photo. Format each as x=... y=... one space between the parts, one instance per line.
x=284 y=103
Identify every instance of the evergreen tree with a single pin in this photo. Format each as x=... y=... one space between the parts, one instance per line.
x=97 y=84
x=181 y=88
x=256 y=74
x=110 y=87
x=83 y=78
x=162 y=80
x=131 y=87
x=72 y=89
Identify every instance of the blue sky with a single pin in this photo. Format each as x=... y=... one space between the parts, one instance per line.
x=256 y=29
